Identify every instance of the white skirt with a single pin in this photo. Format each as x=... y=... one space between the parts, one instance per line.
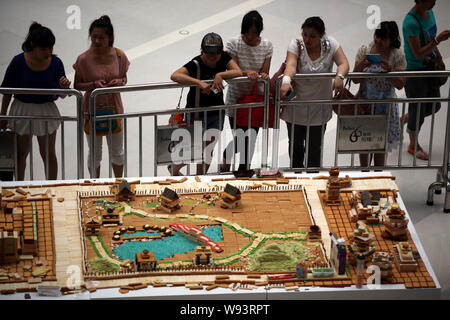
x=38 y=127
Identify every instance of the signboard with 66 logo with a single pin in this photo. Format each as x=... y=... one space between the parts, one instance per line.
x=359 y=134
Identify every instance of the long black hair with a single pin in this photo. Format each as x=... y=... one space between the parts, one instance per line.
x=104 y=22
x=38 y=36
x=389 y=30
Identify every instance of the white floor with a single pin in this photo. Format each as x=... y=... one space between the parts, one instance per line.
x=149 y=32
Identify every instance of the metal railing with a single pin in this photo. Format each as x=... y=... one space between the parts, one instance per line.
x=78 y=119
x=140 y=115
x=443 y=167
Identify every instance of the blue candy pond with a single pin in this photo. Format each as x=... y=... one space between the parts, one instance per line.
x=140 y=233
x=165 y=247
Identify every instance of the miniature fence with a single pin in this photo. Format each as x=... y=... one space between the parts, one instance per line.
x=78 y=119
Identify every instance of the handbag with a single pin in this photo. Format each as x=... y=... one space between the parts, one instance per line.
x=257 y=113
x=103 y=127
x=431 y=62
x=349 y=109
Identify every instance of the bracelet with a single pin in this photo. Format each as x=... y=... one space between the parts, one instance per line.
x=435 y=41
x=286 y=80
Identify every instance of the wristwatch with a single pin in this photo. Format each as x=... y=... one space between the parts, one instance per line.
x=340 y=75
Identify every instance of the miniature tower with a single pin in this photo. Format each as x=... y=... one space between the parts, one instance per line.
x=383 y=260
x=231 y=197
x=314 y=233
x=145 y=261
x=301 y=270
x=396 y=225
x=125 y=192
x=338 y=254
x=332 y=197
x=9 y=246
x=169 y=201
x=92 y=227
x=362 y=243
x=202 y=255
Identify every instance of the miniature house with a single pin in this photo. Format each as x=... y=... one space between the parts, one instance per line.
x=9 y=247
x=125 y=192
x=404 y=257
x=110 y=217
x=202 y=255
x=169 y=200
x=384 y=261
x=363 y=203
x=314 y=233
x=231 y=197
x=145 y=261
x=92 y=228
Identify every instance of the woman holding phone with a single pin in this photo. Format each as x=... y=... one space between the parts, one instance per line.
x=383 y=54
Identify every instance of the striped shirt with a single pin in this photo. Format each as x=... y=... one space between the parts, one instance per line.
x=248 y=58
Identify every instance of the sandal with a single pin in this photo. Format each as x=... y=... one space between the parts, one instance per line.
x=420 y=154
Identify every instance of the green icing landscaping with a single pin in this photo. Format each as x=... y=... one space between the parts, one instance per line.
x=278 y=257
x=101 y=265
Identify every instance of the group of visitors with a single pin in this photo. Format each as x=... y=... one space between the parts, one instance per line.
x=248 y=54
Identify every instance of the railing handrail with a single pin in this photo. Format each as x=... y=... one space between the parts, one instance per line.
x=159 y=85
x=170 y=85
x=40 y=91
x=79 y=118
x=394 y=74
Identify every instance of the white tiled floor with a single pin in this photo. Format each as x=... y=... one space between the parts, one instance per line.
x=148 y=32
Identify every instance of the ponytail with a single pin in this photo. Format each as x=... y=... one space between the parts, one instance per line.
x=104 y=22
x=38 y=36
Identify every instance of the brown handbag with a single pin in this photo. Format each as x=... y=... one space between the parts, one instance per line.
x=345 y=94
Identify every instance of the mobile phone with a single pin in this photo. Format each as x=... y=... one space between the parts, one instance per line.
x=224 y=84
x=290 y=95
x=374 y=58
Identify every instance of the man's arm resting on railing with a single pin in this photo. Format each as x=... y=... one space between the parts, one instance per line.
x=233 y=71
x=182 y=76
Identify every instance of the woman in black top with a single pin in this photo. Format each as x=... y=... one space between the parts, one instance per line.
x=216 y=65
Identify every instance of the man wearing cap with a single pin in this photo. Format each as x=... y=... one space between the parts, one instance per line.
x=212 y=64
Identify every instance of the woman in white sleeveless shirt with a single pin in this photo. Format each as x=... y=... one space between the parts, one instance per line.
x=315 y=52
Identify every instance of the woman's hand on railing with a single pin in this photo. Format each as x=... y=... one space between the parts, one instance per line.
x=264 y=75
x=64 y=83
x=252 y=75
x=285 y=88
x=338 y=85
x=205 y=87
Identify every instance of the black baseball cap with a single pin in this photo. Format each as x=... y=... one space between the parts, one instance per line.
x=212 y=43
